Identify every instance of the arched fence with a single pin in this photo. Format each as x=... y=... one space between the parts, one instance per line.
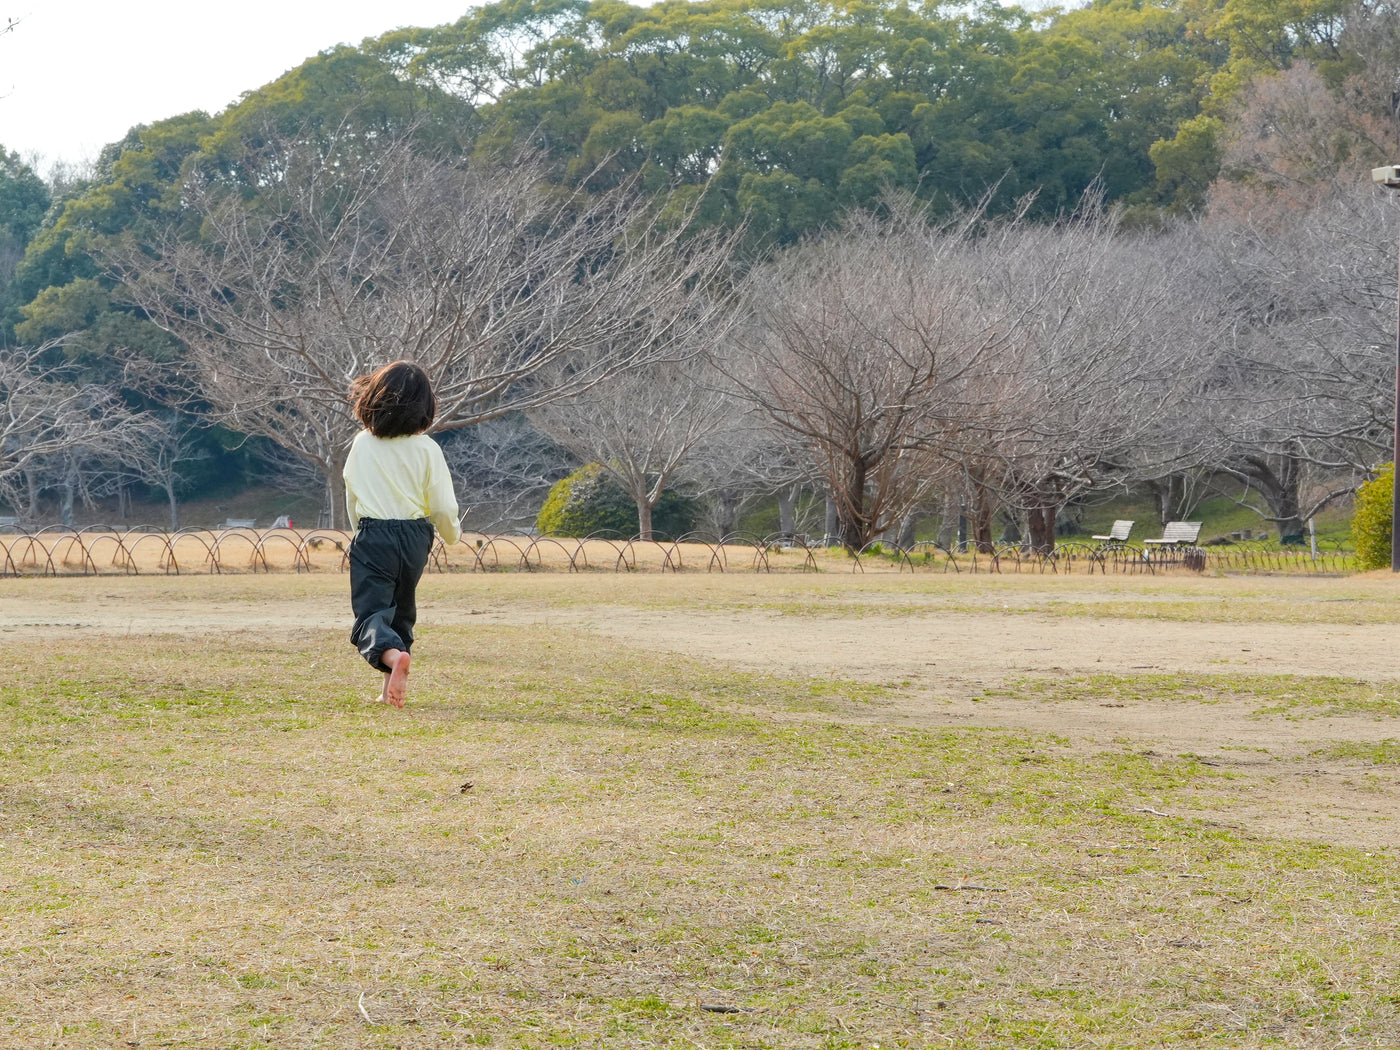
x=146 y=550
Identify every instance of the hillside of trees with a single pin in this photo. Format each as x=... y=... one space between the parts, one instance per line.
x=881 y=258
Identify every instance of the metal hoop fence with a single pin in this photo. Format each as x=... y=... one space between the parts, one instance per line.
x=96 y=550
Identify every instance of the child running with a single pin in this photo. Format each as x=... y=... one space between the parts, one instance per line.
x=397 y=490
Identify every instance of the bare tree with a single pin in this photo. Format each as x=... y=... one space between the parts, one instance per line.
x=351 y=255
x=1304 y=396
x=1029 y=359
x=158 y=460
x=641 y=426
x=859 y=349
x=503 y=470
x=745 y=459
x=1110 y=336
x=47 y=420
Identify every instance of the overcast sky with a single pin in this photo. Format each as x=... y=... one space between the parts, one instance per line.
x=76 y=74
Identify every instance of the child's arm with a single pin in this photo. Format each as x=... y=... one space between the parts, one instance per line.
x=352 y=508
x=441 y=499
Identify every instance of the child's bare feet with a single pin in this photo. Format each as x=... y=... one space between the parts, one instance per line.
x=396 y=685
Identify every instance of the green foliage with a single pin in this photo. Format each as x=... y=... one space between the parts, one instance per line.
x=590 y=500
x=1264 y=36
x=136 y=192
x=23 y=200
x=1189 y=160
x=789 y=113
x=1371 y=525
x=336 y=97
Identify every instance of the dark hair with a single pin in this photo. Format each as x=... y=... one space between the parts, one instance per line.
x=394 y=401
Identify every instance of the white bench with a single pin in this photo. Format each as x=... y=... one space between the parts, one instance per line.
x=1177 y=544
x=1177 y=534
x=1119 y=533
x=241 y=523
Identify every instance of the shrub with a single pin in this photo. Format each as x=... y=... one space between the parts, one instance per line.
x=1371 y=524
x=590 y=500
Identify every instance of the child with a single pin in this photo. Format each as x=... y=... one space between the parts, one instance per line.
x=397 y=490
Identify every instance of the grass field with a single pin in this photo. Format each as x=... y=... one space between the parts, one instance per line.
x=209 y=837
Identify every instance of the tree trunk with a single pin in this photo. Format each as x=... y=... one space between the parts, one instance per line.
x=787 y=511
x=1169 y=494
x=336 y=512
x=68 y=490
x=174 y=506
x=1041 y=526
x=832 y=524
x=983 y=510
x=852 y=510
x=906 y=531
x=1011 y=527
x=30 y=514
x=644 y=520
x=727 y=513
x=948 y=522
x=1279 y=483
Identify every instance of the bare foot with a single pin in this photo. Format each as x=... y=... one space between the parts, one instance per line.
x=383 y=697
x=396 y=685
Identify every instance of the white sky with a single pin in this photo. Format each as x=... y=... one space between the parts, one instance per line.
x=76 y=74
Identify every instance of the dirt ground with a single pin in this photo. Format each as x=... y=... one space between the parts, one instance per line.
x=943 y=650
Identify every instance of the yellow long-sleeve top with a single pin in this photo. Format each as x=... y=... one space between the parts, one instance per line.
x=402 y=477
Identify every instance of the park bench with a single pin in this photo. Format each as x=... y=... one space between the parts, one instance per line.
x=9 y=523
x=1178 y=537
x=1113 y=545
x=1177 y=534
x=1119 y=533
x=241 y=523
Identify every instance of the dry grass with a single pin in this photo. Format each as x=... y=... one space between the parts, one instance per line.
x=216 y=841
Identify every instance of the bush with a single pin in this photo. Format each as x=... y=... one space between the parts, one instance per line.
x=590 y=500
x=1371 y=524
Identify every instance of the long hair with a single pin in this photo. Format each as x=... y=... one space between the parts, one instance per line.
x=394 y=401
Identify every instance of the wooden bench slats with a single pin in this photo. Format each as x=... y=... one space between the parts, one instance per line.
x=1178 y=532
x=1120 y=531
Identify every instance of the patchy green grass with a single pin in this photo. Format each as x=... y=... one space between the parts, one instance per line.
x=1383 y=753
x=219 y=842
x=1318 y=696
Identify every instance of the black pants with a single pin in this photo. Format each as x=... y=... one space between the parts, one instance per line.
x=387 y=559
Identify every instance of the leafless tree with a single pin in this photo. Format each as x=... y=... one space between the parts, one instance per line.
x=1110 y=338
x=860 y=349
x=159 y=459
x=46 y=419
x=1031 y=360
x=1304 y=395
x=503 y=470
x=641 y=426
x=746 y=459
x=351 y=255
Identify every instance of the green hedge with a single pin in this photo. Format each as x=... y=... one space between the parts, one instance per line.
x=590 y=500
x=1371 y=524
